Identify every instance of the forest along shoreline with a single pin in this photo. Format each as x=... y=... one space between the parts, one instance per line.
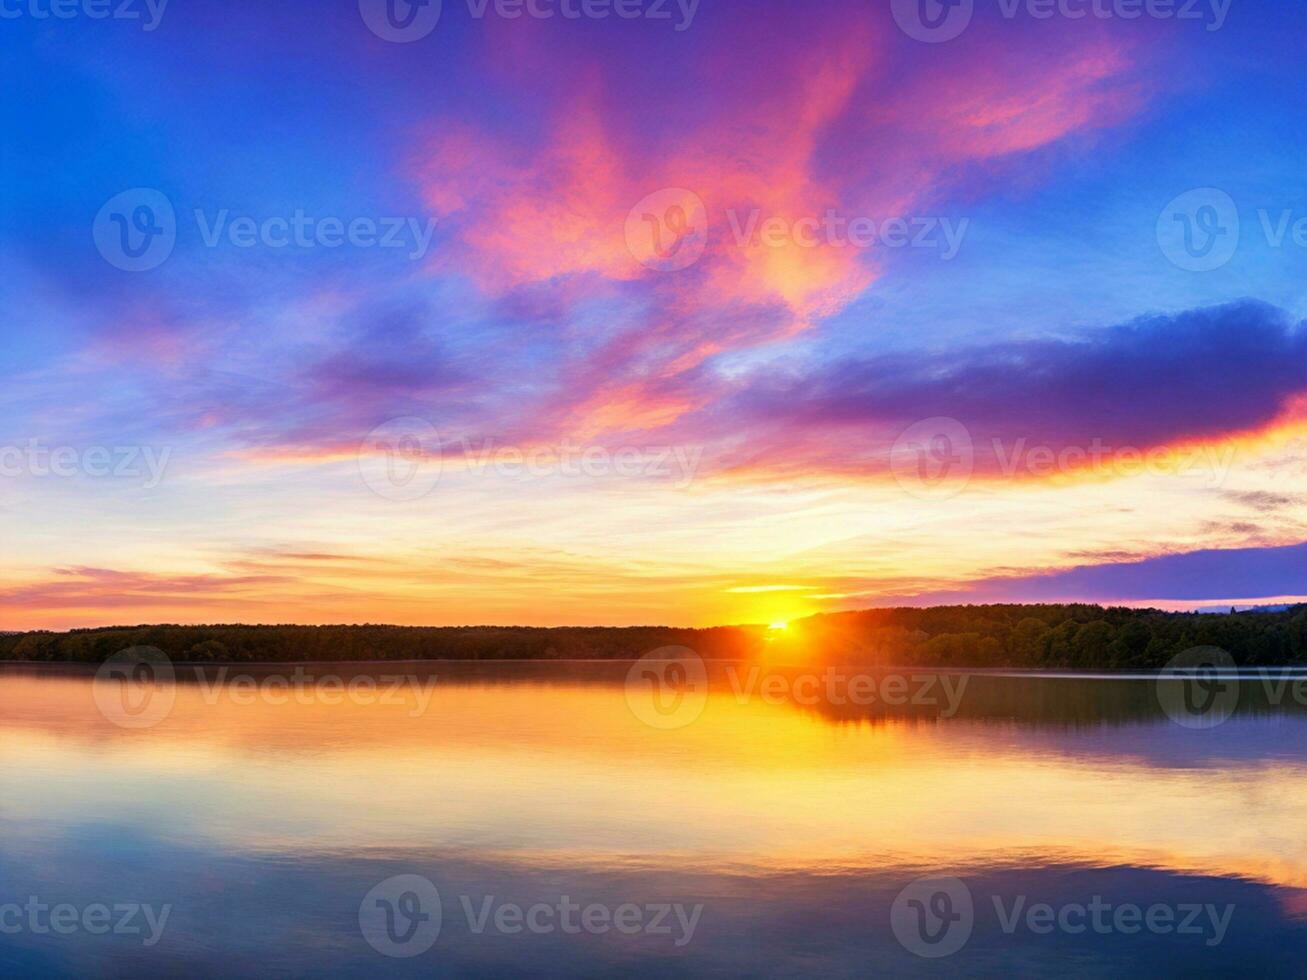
x=1033 y=637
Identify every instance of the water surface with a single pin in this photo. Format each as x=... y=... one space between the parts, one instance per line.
x=799 y=826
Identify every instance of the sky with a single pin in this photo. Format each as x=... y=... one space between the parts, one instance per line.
x=646 y=312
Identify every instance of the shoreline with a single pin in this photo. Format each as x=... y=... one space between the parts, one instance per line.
x=1051 y=673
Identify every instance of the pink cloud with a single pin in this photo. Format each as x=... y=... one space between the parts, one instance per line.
x=546 y=205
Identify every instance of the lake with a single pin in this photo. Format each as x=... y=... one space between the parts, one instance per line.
x=650 y=818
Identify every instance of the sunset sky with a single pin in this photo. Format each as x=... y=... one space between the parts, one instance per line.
x=752 y=311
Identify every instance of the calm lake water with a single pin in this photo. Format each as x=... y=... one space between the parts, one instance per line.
x=615 y=819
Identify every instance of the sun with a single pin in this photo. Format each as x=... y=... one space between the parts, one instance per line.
x=779 y=625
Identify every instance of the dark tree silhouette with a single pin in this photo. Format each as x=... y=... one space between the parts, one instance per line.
x=1032 y=636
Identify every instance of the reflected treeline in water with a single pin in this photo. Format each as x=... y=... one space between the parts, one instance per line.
x=1059 y=700
x=838 y=693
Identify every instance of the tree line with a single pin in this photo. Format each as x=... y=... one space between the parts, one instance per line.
x=1054 y=636
x=1029 y=636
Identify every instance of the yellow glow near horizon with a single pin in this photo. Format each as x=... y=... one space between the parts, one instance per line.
x=779 y=552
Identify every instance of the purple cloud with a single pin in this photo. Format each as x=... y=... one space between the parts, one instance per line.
x=1196 y=576
x=1199 y=375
